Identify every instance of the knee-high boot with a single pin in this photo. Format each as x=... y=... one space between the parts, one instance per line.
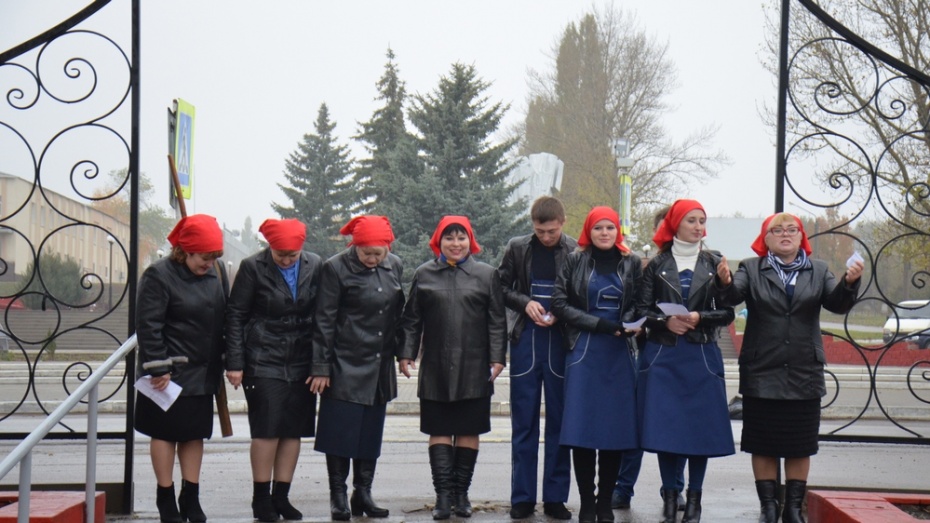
x=441 y=459
x=795 y=490
x=465 y=459
x=607 y=470
x=338 y=469
x=363 y=474
x=189 y=502
x=692 y=507
x=282 y=505
x=669 y=505
x=583 y=460
x=766 y=489
x=262 y=506
x=167 y=505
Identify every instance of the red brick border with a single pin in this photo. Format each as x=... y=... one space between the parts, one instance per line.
x=837 y=506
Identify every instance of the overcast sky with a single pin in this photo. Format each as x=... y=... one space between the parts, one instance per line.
x=257 y=73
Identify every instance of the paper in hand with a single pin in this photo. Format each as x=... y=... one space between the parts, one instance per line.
x=162 y=398
x=673 y=309
x=634 y=324
x=856 y=257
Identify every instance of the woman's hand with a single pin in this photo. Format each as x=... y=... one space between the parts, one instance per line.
x=723 y=272
x=161 y=382
x=406 y=365
x=318 y=384
x=496 y=369
x=854 y=272
x=234 y=377
x=680 y=325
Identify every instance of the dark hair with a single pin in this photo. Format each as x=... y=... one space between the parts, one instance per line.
x=453 y=228
x=659 y=216
x=547 y=208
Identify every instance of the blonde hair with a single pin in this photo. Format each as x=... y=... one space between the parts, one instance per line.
x=781 y=219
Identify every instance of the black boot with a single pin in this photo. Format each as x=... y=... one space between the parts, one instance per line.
x=766 y=490
x=441 y=459
x=465 y=459
x=795 y=490
x=338 y=470
x=669 y=505
x=362 y=477
x=282 y=505
x=608 y=470
x=692 y=507
x=583 y=460
x=189 y=502
x=167 y=505
x=262 y=507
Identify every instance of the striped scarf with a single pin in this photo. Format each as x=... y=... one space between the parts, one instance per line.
x=788 y=272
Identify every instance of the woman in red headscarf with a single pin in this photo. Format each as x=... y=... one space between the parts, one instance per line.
x=269 y=324
x=179 y=325
x=681 y=389
x=358 y=312
x=594 y=295
x=781 y=363
x=456 y=323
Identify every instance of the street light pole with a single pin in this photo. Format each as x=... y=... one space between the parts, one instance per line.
x=624 y=163
x=111 y=240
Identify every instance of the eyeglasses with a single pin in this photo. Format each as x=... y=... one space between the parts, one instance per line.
x=779 y=231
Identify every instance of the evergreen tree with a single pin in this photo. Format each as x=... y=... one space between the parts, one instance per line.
x=321 y=187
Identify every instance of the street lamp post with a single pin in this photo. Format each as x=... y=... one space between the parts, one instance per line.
x=110 y=240
x=624 y=163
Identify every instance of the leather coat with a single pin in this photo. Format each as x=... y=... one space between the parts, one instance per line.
x=180 y=314
x=268 y=333
x=357 y=328
x=782 y=355
x=455 y=320
x=661 y=284
x=570 y=297
x=516 y=273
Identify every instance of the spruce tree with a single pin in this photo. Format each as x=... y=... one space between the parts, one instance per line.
x=321 y=187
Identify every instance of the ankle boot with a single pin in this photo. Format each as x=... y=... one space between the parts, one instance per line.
x=795 y=490
x=167 y=506
x=189 y=502
x=583 y=461
x=441 y=459
x=669 y=505
x=692 y=507
x=362 y=478
x=766 y=490
x=465 y=459
x=338 y=470
x=262 y=507
x=282 y=505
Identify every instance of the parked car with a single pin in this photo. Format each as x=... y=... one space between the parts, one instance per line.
x=911 y=324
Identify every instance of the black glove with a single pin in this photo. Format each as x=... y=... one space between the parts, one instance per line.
x=608 y=327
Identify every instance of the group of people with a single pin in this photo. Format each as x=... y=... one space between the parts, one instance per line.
x=623 y=351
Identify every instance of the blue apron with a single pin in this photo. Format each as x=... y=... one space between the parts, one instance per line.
x=600 y=408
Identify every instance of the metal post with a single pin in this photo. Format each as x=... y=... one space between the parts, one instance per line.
x=781 y=171
x=110 y=240
x=90 y=478
x=25 y=485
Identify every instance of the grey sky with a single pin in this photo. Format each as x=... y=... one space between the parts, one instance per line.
x=257 y=73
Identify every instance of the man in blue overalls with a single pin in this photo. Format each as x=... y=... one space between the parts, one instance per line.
x=537 y=360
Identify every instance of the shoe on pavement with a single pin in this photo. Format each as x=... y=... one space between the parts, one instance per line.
x=556 y=510
x=522 y=510
x=619 y=500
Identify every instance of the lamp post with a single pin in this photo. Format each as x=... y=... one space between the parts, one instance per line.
x=110 y=240
x=624 y=163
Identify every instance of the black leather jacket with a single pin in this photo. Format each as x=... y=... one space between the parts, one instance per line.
x=269 y=335
x=357 y=328
x=782 y=355
x=456 y=316
x=570 y=297
x=180 y=314
x=516 y=271
x=662 y=285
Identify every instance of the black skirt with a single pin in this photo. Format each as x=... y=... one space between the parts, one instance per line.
x=455 y=418
x=279 y=409
x=189 y=418
x=780 y=428
x=350 y=430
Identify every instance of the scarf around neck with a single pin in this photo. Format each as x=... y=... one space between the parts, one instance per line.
x=685 y=254
x=788 y=272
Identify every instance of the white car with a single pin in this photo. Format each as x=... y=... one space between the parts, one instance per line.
x=911 y=324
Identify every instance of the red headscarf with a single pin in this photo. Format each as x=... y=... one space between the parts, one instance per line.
x=284 y=235
x=197 y=233
x=597 y=214
x=759 y=247
x=369 y=231
x=672 y=220
x=446 y=221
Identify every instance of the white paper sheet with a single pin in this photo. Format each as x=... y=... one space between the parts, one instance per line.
x=162 y=398
x=634 y=324
x=673 y=309
x=856 y=257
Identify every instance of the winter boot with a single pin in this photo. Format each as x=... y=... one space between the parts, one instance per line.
x=795 y=490
x=362 y=478
x=692 y=507
x=189 y=502
x=338 y=470
x=465 y=459
x=583 y=460
x=282 y=505
x=262 y=507
x=669 y=505
x=441 y=462
x=766 y=489
x=167 y=505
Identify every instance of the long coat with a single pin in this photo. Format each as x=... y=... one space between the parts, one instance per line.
x=782 y=356
x=357 y=328
x=455 y=317
x=269 y=332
